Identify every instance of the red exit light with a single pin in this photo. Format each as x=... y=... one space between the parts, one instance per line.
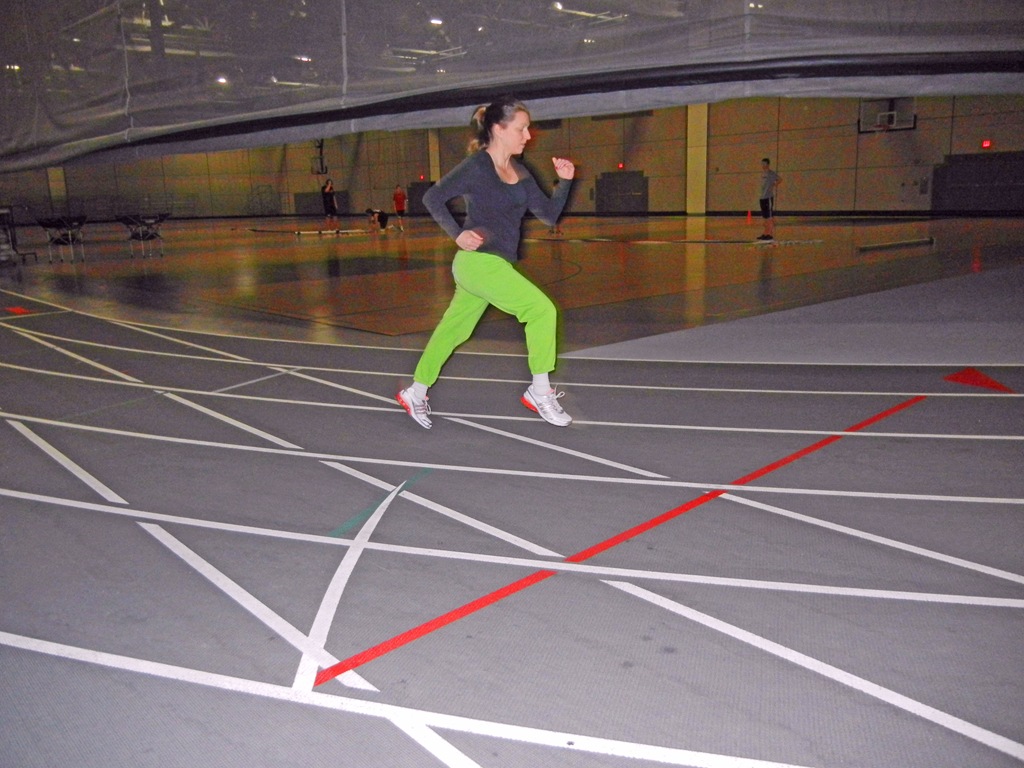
x=986 y=143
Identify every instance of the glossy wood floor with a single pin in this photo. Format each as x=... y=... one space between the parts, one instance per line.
x=613 y=278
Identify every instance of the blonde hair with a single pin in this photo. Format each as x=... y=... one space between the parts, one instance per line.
x=500 y=112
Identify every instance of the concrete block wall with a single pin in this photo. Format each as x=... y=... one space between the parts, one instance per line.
x=814 y=143
x=827 y=165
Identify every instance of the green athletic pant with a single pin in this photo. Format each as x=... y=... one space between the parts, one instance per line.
x=482 y=279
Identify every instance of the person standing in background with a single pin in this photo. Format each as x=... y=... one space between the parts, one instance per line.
x=330 y=201
x=498 y=190
x=399 y=200
x=770 y=181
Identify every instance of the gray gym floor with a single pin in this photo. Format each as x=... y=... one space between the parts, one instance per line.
x=789 y=538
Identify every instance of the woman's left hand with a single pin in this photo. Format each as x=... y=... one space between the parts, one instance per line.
x=564 y=168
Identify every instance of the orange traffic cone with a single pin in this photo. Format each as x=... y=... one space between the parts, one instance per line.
x=750 y=217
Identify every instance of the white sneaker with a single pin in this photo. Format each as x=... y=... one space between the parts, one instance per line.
x=547 y=406
x=415 y=406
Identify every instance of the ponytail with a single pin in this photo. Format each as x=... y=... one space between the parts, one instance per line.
x=484 y=119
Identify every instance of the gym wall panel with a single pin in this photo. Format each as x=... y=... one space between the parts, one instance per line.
x=665 y=192
x=137 y=191
x=886 y=189
x=590 y=132
x=85 y=181
x=185 y=165
x=1004 y=129
x=268 y=161
x=660 y=158
x=452 y=143
x=817 y=148
x=595 y=160
x=299 y=157
x=934 y=108
x=830 y=189
x=741 y=153
x=27 y=193
x=549 y=135
x=733 y=191
x=230 y=184
x=743 y=116
x=988 y=105
x=230 y=162
x=927 y=145
x=808 y=139
x=668 y=124
x=800 y=114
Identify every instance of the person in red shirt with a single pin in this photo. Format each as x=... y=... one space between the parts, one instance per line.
x=399 y=200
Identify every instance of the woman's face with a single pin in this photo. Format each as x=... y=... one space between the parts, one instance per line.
x=512 y=136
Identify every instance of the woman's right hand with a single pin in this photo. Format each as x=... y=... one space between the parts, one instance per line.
x=468 y=240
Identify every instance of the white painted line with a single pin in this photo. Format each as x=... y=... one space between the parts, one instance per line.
x=213 y=334
x=492 y=417
x=78 y=358
x=443 y=750
x=286 y=631
x=550 y=565
x=931 y=554
x=433 y=506
x=82 y=474
x=4 y=319
x=558 y=448
x=917 y=708
x=799 y=392
x=503 y=472
x=395 y=375
x=816 y=432
x=562 y=740
x=335 y=385
x=582 y=355
x=170 y=395
x=143 y=329
x=248 y=383
x=579 y=355
x=305 y=676
x=233 y=422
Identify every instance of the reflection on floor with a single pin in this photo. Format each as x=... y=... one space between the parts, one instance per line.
x=613 y=278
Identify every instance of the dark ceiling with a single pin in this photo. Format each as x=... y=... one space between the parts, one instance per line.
x=83 y=76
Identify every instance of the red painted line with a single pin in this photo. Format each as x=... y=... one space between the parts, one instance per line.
x=972 y=377
x=329 y=673
x=827 y=441
x=636 y=530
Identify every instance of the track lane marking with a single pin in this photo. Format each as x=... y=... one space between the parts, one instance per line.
x=875 y=539
x=328 y=608
x=558 y=448
x=460 y=468
x=65 y=461
x=498 y=595
x=830 y=672
x=562 y=740
x=246 y=600
x=560 y=564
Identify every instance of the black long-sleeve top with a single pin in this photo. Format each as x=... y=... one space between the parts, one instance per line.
x=494 y=209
